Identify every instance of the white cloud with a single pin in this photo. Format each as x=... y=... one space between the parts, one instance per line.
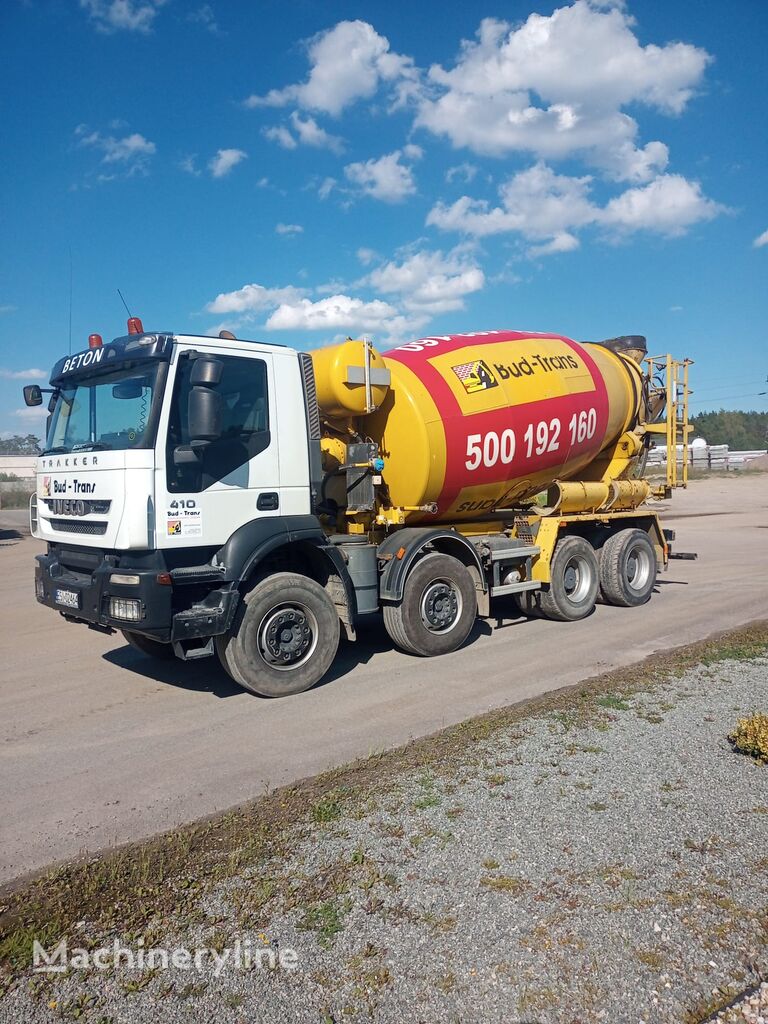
x=34 y=413
x=122 y=15
x=129 y=154
x=347 y=63
x=386 y=178
x=332 y=313
x=33 y=374
x=308 y=133
x=252 y=298
x=366 y=256
x=564 y=241
x=205 y=17
x=669 y=206
x=461 y=172
x=311 y=134
x=288 y=229
x=344 y=312
x=326 y=187
x=546 y=207
x=555 y=87
x=430 y=282
x=536 y=202
x=761 y=240
x=280 y=134
x=188 y=164
x=225 y=159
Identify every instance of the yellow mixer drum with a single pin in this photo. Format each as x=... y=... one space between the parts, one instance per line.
x=475 y=422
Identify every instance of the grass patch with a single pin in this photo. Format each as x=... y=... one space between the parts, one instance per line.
x=326 y=919
x=613 y=702
x=504 y=883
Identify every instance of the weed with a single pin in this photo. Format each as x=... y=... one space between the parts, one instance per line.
x=612 y=701
x=504 y=883
x=751 y=737
x=326 y=918
x=651 y=959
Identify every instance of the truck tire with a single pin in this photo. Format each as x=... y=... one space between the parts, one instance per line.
x=437 y=610
x=627 y=568
x=286 y=638
x=148 y=646
x=574 y=582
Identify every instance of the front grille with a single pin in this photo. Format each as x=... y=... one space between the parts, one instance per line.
x=78 y=526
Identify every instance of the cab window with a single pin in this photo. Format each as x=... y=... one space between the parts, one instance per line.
x=244 y=430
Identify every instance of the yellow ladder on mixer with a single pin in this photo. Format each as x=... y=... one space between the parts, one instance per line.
x=669 y=377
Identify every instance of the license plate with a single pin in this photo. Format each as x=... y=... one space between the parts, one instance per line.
x=69 y=598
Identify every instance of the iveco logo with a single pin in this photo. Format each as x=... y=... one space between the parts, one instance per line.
x=69 y=507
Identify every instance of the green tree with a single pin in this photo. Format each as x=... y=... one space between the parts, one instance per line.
x=18 y=444
x=741 y=431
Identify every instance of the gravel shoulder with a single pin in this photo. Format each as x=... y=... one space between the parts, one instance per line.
x=600 y=854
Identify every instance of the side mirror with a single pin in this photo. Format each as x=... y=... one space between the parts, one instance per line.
x=206 y=372
x=205 y=414
x=33 y=395
x=129 y=389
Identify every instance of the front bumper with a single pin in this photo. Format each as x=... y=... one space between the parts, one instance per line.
x=93 y=587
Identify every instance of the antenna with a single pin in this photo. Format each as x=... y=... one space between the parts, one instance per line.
x=70 y=300
x=124 y=302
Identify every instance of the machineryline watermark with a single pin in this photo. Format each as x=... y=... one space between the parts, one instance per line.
x=242 y=955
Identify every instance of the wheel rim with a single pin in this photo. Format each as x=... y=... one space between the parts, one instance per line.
x=577 y=579
x=287 y=636
x=440 y=606
x=637 y=571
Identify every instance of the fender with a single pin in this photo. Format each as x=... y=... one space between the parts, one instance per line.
x=414 y=539
x=253 y=541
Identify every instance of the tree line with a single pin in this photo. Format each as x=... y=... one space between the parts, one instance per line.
x=741 y=431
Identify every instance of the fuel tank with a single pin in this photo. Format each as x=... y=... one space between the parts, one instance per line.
x=474 y=422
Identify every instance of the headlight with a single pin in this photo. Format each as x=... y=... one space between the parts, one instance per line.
x=125 y=608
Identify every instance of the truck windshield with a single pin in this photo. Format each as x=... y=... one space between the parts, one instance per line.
x=108 y=411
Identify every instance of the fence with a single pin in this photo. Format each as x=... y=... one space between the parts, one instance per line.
x=706 y=456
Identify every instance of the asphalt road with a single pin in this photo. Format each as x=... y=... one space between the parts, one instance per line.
x=99 y=745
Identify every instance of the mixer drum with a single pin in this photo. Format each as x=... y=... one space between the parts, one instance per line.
x=476 y=422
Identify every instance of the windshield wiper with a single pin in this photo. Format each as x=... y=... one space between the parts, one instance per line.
x=93 y=446
x=58 y=450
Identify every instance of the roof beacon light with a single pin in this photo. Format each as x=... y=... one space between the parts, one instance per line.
x=94 y=341
x=135 y=326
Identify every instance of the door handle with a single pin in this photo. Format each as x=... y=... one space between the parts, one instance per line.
x=268 y=501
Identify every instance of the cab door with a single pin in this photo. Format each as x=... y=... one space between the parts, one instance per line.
x=205 y=491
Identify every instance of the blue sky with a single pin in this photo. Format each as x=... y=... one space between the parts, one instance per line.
x=301 y=171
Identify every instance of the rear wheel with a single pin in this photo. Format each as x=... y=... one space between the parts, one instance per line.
x=573 y=586
x=627 y=568
x=437 y=610
x=148 y=646
x=286 y=639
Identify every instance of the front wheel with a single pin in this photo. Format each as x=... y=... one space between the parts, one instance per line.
x=148 y=646
x=286 y=639
x=437 y=610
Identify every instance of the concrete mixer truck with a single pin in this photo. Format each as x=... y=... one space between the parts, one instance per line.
x=216 y=496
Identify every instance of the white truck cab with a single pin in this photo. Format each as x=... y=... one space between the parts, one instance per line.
x=173 y=465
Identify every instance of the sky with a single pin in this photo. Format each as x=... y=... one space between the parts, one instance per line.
x=298 y=172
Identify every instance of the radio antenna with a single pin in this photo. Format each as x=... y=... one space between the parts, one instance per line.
x=124 y=302
x=70 y=300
